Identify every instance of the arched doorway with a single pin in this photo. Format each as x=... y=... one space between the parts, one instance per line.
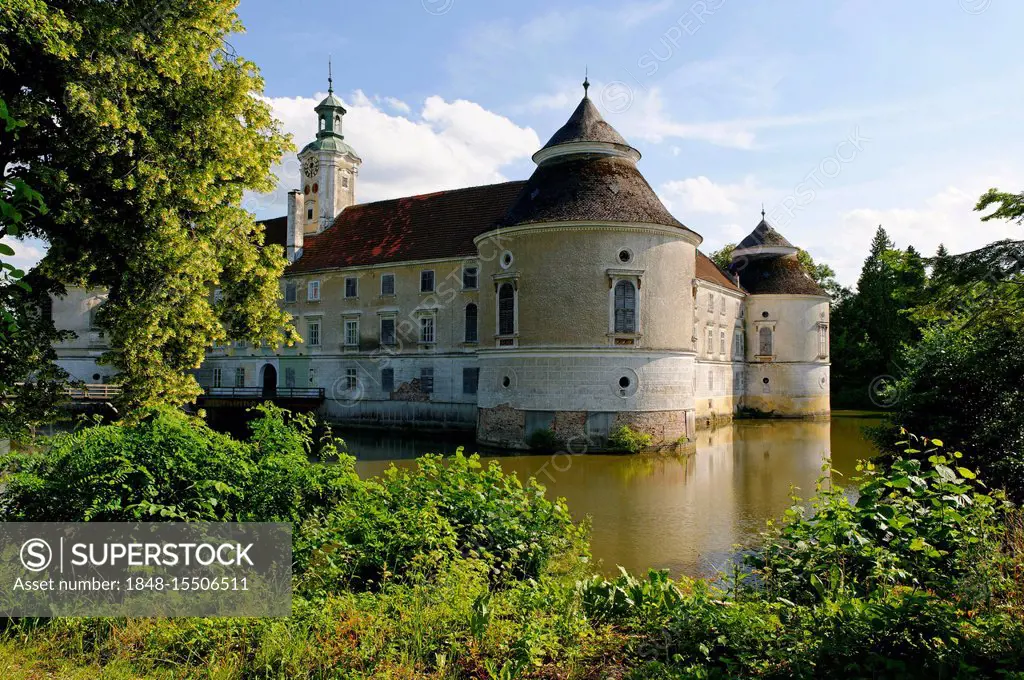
x=269 y=381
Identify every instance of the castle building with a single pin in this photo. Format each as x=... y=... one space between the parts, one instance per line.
x=572 y=302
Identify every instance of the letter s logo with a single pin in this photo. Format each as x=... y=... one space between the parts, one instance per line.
x=36 y=554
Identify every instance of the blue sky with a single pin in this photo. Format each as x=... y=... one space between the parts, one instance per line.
x=837 y=116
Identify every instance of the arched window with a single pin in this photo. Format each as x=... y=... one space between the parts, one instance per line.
x=506 y=310
x=471 y=334
x=625 y=307
x=765 y=341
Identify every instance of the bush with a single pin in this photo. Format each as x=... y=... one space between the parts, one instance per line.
x=545 y=441
x=623 y=438
x=419 y=520
x=166 y=465
x=918 y=523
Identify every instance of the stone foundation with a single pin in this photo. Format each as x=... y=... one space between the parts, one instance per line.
x=501 y=426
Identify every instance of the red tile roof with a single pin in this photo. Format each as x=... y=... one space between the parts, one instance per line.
x=425 y=227
x=707 y=270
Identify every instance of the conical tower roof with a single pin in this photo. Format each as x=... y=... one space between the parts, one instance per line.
x=585 y=125
x=768 y=264
x=587 y=173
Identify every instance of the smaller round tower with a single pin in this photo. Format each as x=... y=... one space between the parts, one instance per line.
x=787 y=318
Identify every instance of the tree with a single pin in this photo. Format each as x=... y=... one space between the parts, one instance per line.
x=823 y=274
x=143 y=129
x=723 y=256
x=30 y=381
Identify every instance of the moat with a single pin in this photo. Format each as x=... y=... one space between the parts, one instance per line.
x=688 y=514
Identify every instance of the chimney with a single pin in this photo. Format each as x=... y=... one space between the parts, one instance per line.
x=296 y=213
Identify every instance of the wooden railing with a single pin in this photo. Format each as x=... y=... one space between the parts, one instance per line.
x=262 y=393
x=93 y=392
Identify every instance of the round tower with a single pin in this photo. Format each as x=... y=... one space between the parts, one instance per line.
x=787 y=313
x=586 y=323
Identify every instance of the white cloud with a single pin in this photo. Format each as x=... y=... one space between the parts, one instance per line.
x=700 y=194
x=947 y=217
x=449 y=144
x=27 y=253
x=398 y=105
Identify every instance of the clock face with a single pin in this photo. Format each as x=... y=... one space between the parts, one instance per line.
x=311 y=166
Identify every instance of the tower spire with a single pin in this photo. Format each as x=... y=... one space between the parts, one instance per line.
x=586 y=81
x=762 y=211
x=330 y=80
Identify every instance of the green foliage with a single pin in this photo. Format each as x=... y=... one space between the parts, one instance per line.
x=870 y=327
x=143 y=130
x=419 y=520
x=723 y=256
x=925 y=521
x=624 y=438
x=963 y=381
x=545 y=441
x=29 y=379
x=450 y=569
x=170 y=466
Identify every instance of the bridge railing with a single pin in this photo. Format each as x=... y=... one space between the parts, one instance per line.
x=262 y=393
x=90 y=392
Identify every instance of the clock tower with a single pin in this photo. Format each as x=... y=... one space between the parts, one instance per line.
x=329 y=168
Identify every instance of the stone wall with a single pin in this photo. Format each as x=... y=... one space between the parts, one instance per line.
x=501 y=426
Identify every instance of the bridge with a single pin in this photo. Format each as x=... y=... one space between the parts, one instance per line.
x=292 y=398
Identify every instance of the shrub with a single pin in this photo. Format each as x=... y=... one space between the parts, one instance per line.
x=420 y=519
x=544 y=440
x=623 y=438
x=919 y=523
x=165 y=465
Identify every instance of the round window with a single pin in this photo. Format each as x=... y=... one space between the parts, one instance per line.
x=506 y=260
x=95 y=376
x=506 y=381
x=624 y=382
x=625 y=256
x=764 y=315
x=764 y=380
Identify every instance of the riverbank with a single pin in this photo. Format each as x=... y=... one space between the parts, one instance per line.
x=453 y=568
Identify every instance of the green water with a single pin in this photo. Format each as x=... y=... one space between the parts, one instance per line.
x=688 y=514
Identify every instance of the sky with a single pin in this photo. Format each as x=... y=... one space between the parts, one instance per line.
x=836 y=116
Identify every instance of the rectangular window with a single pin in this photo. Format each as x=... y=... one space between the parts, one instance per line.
x=313 y=291
x=344 y=182
x=289 y=377
x=387 y=331
x=427 y=380
x=289 y=291
x=313 y=333
x=470 y=380
x=709 y=346
x=469 y=278
x=309 y=214
x=387 y=284
x=312 y=377
x=765 y=341
x=721 y=342
x=427 y=281
x=471 y=323
x=350 y=379
x=387 y=379
x=711 y=302
x=351 y=332
x=218 y=377
x=239 y=377
x=822 y=341
x=721 y=306
x=351 y=287
x=427 y=329
x=737 y=345
x=711 y=380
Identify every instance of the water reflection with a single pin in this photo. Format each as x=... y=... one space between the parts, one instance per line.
x=686 y=514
